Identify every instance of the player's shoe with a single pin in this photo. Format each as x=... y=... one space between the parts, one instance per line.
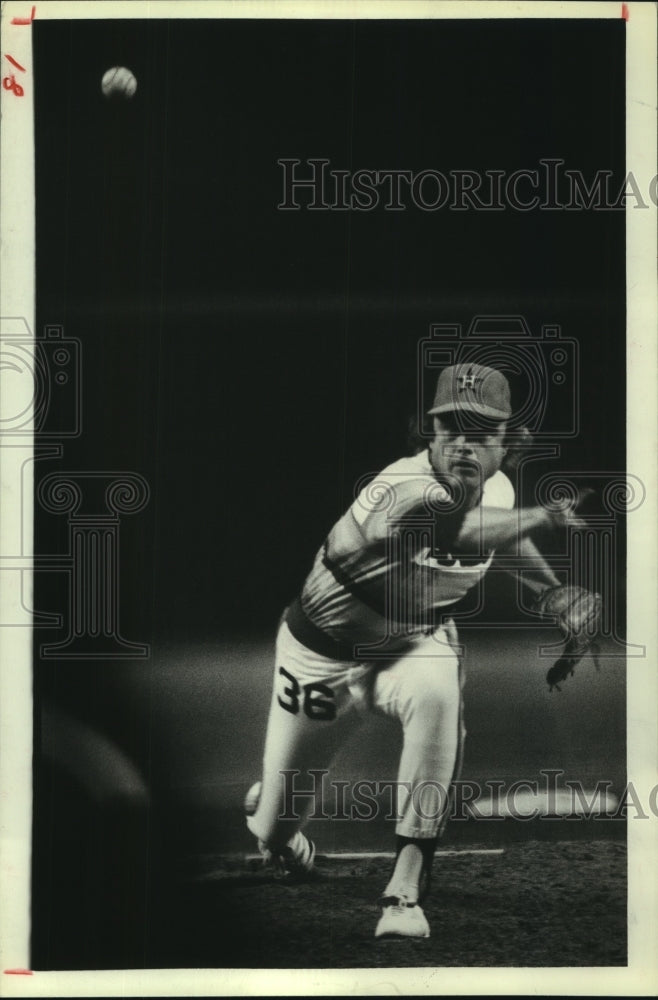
x=401 y=919
x=296 y=859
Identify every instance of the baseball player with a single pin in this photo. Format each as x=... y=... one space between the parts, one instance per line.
x=371 y=630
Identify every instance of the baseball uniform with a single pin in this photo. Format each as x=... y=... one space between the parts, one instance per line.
x=367 y=633
x=371 y=630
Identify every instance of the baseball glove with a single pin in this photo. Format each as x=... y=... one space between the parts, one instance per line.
x=577 y=613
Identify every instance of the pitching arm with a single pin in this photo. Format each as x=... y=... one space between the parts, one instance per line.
x=486 y=528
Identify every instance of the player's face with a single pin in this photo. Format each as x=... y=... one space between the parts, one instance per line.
x=467 y=446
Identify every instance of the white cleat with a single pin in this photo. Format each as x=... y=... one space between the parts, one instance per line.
x=401 y=919
x=297 y=858
x=294 y=861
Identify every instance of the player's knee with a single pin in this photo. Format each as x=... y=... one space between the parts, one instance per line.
x=431 y=692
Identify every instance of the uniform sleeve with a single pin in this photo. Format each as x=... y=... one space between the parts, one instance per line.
x=498 y=492
x=389 y=499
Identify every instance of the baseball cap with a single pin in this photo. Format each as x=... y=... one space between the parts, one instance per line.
x=474 y=388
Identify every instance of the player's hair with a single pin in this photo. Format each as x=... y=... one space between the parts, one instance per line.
x=419 y=433
x=517 y=440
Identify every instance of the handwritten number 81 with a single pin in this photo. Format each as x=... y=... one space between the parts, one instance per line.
x=9 y=83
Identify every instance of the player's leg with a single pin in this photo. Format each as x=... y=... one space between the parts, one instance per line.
x=423 y=690
x=310 y=715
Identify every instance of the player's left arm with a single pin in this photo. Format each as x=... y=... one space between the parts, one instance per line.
x=532 y=568
x=575 y=610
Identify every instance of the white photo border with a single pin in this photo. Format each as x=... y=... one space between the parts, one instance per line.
x=18 y=300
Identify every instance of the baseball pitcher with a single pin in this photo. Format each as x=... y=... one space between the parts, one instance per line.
x=371 y=629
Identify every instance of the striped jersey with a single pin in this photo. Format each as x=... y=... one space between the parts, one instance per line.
x=381 y=577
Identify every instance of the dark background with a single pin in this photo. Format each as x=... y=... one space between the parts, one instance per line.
x=251 y=363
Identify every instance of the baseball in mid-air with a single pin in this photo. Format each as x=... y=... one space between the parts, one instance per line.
x=119 y=82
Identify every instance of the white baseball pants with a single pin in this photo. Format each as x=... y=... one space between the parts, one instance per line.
x=317 y=702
